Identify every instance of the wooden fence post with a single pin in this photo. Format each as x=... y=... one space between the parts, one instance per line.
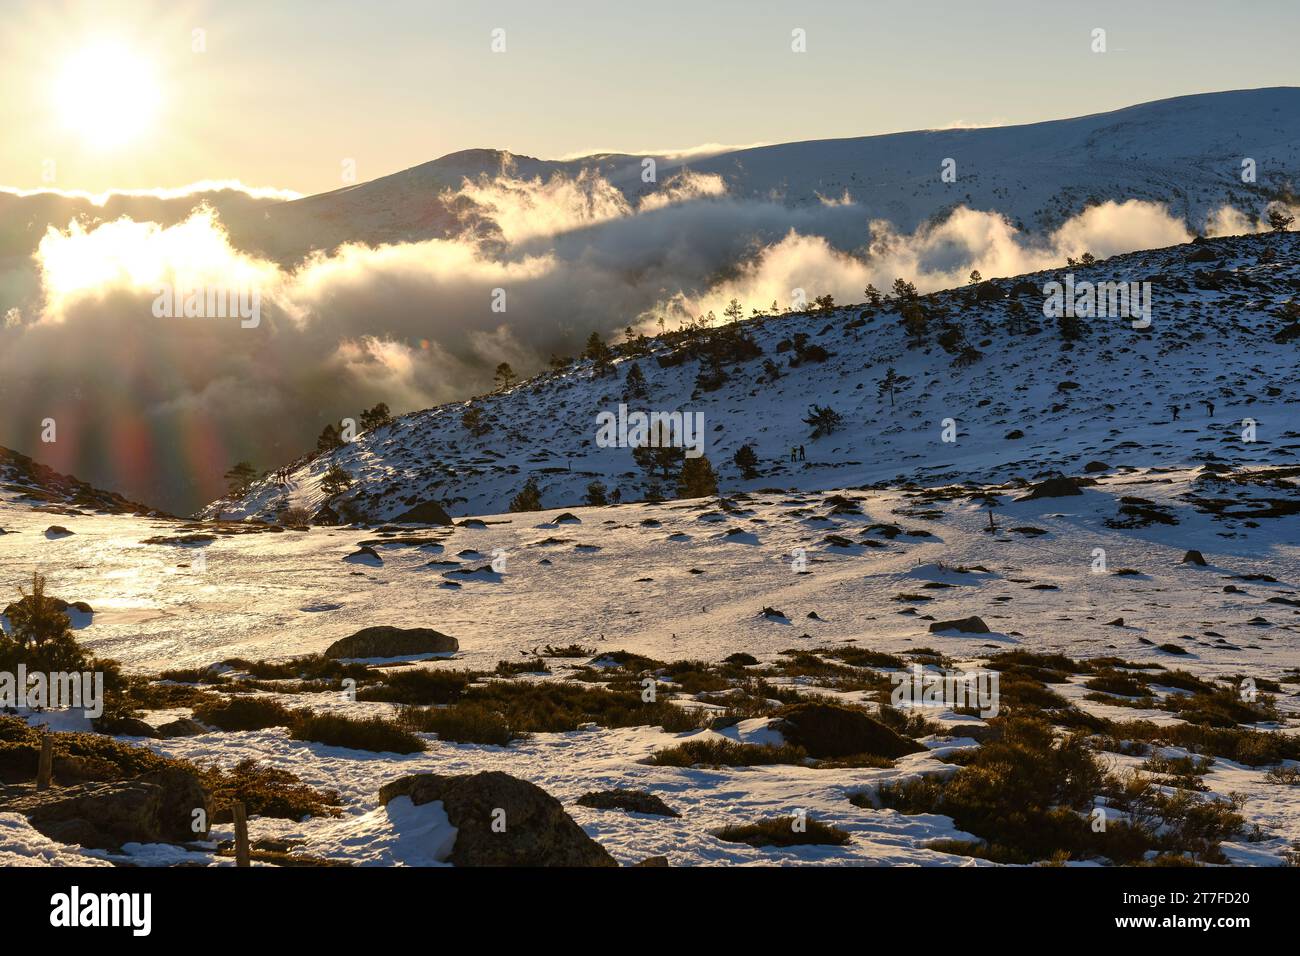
x=241 y=834
x=45 y=768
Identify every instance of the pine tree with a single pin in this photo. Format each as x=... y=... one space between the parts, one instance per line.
x=873 y=295
x=914 y=321
x=1069 y=326
x=1279 y=220
x=376 y=417
x=747 y=461
x=42 y=637
x=904 y=291
x=473 y=421
x=658 y=455
x=697 y=479
x=329 y=439
x=634 y=383
x=599 y=354
x=823 y=420
x=1016 y=317
x=734 y=311
x=597 y=494
x=890 y=384
x=335 y=481
x=505 y=376
x=529 y=497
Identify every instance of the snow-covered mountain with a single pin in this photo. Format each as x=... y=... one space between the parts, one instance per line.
x=31 y=483
x=1186 y=152
x=1021 y=399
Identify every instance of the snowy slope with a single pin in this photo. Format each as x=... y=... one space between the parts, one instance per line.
x=1184 y=152
x=30 y=481
x=1216 y=307
x=689 y=580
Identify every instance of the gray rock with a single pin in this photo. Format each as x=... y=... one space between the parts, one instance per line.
x=386 y=641
x=966 y=625
x=538 y=831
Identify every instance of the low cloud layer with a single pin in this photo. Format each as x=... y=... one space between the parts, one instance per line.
x=159 y=407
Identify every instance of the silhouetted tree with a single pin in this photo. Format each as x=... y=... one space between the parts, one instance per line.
x=329 y=439
x=747 y=461
x=823 y=420
x=658 y=455
x=634 y=383
x=890 y=384
x=376 y=417
x=529 y=497
x=697 y=479
x=597 y=493
x=335 y=481
x=505 y=376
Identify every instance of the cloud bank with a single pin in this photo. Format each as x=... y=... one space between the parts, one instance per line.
x=159 y=407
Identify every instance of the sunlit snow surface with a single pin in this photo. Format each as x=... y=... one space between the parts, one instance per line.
x=279 y=594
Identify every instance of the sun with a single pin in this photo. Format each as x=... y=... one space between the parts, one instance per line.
x=106 y=95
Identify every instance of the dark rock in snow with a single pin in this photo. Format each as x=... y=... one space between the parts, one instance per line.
x=538 y=831
x=633 y=801
x=386 y=641
x=966 y=625
x=828 y=730
x=182 y=727
x=1057 y=487
x=325 y=515
x=1194 y=557
x=154 y=808
x=430 y=512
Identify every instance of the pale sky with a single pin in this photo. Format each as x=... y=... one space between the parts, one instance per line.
x=106 y=95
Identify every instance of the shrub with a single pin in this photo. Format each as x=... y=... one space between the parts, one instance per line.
x=784 y=831
x=373 y=733
x=555 y=707
x=243 y=713
x=419 y=686
x=265 y=791
x=462 y=723
x=1019 y=794
x=725 y=753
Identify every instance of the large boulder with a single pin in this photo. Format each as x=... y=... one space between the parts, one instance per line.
x=966 y=625
x=325 y=515
x=828 y=730
x=537 y=831
x=386 y=641
x=430 y=512
x=1057 y=487
x=153 y=808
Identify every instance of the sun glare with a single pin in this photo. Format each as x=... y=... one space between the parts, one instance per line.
x=107 y=96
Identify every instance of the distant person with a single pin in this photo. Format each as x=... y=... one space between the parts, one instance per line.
x=802 y=456
x=617 y=496
x=1173 y=410
x=794 y=453
x=1209 y=407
